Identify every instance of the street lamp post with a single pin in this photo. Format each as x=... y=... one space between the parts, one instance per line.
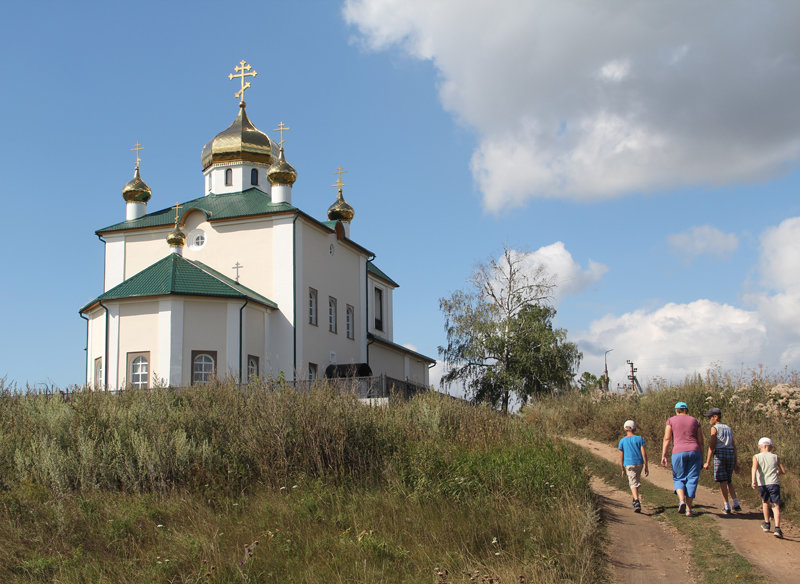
x=605 y=360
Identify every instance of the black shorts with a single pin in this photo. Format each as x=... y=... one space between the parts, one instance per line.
x=770 y=493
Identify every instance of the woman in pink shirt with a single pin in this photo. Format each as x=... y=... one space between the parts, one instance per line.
x=687 y=455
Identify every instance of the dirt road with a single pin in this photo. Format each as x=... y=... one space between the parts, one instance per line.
x=778 y=560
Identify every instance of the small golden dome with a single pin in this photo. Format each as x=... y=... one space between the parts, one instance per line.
x=240 y=142
x=281 y=173
x=176 y=237
x=341 y=210
x=136 y=191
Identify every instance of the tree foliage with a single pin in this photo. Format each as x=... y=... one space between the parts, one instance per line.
x=500 y=337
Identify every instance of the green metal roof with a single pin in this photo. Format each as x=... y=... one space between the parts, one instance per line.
x=375 y=338
x=176 y=275
x=376 y=271
x=225 y=206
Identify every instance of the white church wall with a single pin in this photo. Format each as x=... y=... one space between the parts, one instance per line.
x=240 y=178
x=170 y=340
x=144 y=248
x=281 y=325
x=387 y=329
x=115 y=261
x=138 y=332
x=397 y=364
x=332 y=268
x=204 y=329
x=255 y=321
x=96 y=346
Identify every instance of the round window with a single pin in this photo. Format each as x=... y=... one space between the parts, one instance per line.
x=196 y=239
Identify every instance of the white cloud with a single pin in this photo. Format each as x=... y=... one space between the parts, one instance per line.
x=592 y=100
x=570 y=278
x=703 y=240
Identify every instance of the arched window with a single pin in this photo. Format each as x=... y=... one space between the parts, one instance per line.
x=139 y=370
x=254 y=176
x=228 y=177
x=203 y=366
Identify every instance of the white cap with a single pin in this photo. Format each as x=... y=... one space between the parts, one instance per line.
x=765 y=442
x=629 y=424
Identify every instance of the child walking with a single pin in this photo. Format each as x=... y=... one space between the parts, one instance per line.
x=633 y=458
x=767 y=467
x=723 y=450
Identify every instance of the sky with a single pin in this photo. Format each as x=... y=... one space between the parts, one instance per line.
x=645 y=153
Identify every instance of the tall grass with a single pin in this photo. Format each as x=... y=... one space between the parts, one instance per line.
x=754 y=404
x=178 y=486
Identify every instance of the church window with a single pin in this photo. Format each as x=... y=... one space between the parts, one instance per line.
x=312 y=306
x=196 y=239
x=228 y=177
x=254 y=176
x=203 y=366
x=312 y=371
x=350 y=321
x=378 y=309
x=252 y=367
x=99 y=382
x=332 y=314
x=139 y=370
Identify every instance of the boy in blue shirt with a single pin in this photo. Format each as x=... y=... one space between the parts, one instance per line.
x=633 y=458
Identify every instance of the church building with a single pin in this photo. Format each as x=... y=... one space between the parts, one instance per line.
x=240 y=283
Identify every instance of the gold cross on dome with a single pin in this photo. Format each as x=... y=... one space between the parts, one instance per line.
x=137 y=148
x=243 y=70
x=340 y=171
x=177 y=208
x=281 y=128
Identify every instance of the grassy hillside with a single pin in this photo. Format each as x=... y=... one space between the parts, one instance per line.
x=217 y=484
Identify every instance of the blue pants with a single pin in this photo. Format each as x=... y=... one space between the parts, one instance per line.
x=686 y=471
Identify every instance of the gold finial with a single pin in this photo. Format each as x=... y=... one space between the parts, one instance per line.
x=177 y=208
x=243 y=70
x=137 y=148
x=340 y=171
x=281 y=128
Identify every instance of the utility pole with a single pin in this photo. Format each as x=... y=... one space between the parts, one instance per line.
x=605 y=360
x=632 y=377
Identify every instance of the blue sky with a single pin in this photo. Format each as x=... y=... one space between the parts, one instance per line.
x=647 y=155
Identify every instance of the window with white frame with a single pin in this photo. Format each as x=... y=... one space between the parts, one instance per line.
x=228 y=177
x=252 y=367
x=99 y=382
x=312 y=306
x=204 y=366
x=139 y=369
x=332 y=314
x=378 y=309
x=312 y=371
x=350 y=320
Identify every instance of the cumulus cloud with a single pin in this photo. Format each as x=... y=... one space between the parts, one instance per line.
x=703 y=240
x=591 y=100
x=570 y=278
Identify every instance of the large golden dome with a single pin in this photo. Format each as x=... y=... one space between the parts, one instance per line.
x=281 y=173
x=136 y=191
x=240 y=142
x=341 y=210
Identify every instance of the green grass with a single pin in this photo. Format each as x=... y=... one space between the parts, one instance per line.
x=216 y=484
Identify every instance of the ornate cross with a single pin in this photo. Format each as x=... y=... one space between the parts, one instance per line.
x=281 y=128
x=236 y=267
x=243 y=70
x=177 y=208
x=137 y=148
x=340 y=171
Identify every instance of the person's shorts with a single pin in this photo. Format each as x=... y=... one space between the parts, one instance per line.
x=634 y=471
x=724 y=462
x=686 y=468
x=770 y=493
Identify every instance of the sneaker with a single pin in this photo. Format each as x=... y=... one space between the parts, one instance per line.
x=737 y=507
x=682 y=507
x=778 y=533
x=727 y=510
x=637 y=506
x=765 y=526
x=690 y=513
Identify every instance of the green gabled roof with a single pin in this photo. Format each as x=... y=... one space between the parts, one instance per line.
x=376 y=271
x=176 y=275
x=225 y=206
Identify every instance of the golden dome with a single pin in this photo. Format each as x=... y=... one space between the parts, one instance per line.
x=176 y=237
x=281 y=173
x=136 y=191
x=341 y=210
x=240 y=142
